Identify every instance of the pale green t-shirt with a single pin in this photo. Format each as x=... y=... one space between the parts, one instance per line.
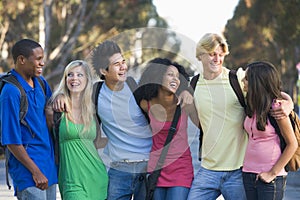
x=221 y=117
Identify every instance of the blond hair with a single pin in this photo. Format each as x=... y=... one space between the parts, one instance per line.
x=209 y=42
x=87 y=106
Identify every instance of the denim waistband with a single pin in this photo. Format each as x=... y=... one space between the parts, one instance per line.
x=130 y=161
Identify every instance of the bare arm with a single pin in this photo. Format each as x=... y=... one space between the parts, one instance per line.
x=144 y=105
x=59 y=104
x=291 y=146
x=49 y=116
x=20 y=153
x=192 y=113
x=185 y=98
x=100 y=142
x=285 y=109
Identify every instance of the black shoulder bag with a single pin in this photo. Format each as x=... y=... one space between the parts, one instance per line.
x=151 y=180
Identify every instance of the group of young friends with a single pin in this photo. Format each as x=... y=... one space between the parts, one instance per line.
x=234 y=164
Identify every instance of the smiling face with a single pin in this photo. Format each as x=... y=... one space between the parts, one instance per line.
x=213 y=62
x=33 y=65
x=76 y=80
x=117 y=69
x=171 y=79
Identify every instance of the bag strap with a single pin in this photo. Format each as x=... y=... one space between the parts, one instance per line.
x=193 y=84
x=172 y=131
x=237 y=88
x=55 y=134
x=96 y=89
x=137 y=96
x=131 y=83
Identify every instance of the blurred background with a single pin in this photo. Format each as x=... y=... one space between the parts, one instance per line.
x=68 y=30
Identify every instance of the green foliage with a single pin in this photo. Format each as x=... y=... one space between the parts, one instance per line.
x=71 y=28
x=266 y=30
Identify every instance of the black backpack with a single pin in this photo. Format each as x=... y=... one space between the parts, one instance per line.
x=294 y=162
x=236 y=88
x=9 y=78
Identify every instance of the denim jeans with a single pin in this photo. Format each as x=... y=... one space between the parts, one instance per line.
x=171 y=193
x=209 y=185
x=34 y=193
x=259 y=190
x=127 y=180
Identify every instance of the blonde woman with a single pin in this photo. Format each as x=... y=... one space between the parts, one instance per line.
x=82 y=174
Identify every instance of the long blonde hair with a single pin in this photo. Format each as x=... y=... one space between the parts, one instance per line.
x=86 y=104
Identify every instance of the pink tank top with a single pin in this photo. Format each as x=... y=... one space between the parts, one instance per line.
x=178 y=167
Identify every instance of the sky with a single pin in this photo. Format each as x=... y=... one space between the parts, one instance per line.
x=194 y=18
x=191 y=19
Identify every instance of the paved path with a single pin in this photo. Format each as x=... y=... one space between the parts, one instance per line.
x=292 y=189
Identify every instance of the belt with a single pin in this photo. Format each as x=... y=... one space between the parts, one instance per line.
x=132 y=161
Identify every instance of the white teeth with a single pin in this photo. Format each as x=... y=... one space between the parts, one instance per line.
x=75 y=84
x=173 y=84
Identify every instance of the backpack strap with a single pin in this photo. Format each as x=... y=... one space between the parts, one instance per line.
x=131 y=83
x=194 y=82
x=237 y=88
x=8 y=78
x=133 y=87
x=96 y=90
x=277 y=130
x=23 y=101
x=55 y=134
x=42 y=84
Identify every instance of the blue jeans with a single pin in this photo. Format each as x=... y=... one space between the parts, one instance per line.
x=171 y=193
x=209 y=185
x=126 y=179
x=259 y=190
x=34 y=193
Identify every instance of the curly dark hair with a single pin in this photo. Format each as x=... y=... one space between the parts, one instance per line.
x=152 y=77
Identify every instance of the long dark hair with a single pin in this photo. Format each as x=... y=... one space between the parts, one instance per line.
x=152 y=77
x=264 y=85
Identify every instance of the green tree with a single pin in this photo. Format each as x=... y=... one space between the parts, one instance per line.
x=71 y=29
x=266 y=30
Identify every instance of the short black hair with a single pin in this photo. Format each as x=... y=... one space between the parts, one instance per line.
x=101 y=54
x=24 y=47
